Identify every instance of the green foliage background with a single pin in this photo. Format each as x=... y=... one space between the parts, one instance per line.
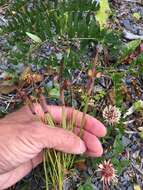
x=54 y=20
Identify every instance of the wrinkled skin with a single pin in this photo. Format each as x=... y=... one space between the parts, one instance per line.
x=23 y=137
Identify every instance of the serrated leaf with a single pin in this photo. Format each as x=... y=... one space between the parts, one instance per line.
x=130 y=47
x=133 y=44
x=34 y=37
x=103 y=13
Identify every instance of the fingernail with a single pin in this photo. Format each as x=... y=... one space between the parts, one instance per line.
x=82 y=147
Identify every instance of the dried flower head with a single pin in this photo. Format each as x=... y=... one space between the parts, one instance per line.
x=32 y=78
x=112 y=114
x=107 y=172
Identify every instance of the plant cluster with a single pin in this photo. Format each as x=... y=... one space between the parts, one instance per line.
x=60 y=37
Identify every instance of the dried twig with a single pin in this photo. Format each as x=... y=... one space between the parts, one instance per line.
x=90 y=85
x=61 y=72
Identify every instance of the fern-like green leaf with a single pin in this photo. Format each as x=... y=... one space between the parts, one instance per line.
x=103 y=13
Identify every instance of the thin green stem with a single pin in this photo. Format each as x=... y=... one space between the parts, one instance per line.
x=45 y=170
x=52 y=163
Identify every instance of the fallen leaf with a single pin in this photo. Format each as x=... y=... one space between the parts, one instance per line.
x=6 y=89
x=111 y=96
x=140 y=129
x=137 y=16
x=138 y=105
x=34 y=37
x=130 y=111
x=137 y=187
x=141 y=134
x=81 y=165
x=99 y=74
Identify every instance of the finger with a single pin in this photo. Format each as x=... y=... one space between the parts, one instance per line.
x=39 y=111
x=92 y=143
x=43 y=136
x=10 y=178
x=92 y=125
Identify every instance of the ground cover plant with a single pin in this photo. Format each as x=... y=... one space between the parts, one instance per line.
x=67 y=53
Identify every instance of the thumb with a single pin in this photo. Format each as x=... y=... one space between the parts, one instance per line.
x=44 y=136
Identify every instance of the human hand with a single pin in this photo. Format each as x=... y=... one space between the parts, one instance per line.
x=23 y=137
